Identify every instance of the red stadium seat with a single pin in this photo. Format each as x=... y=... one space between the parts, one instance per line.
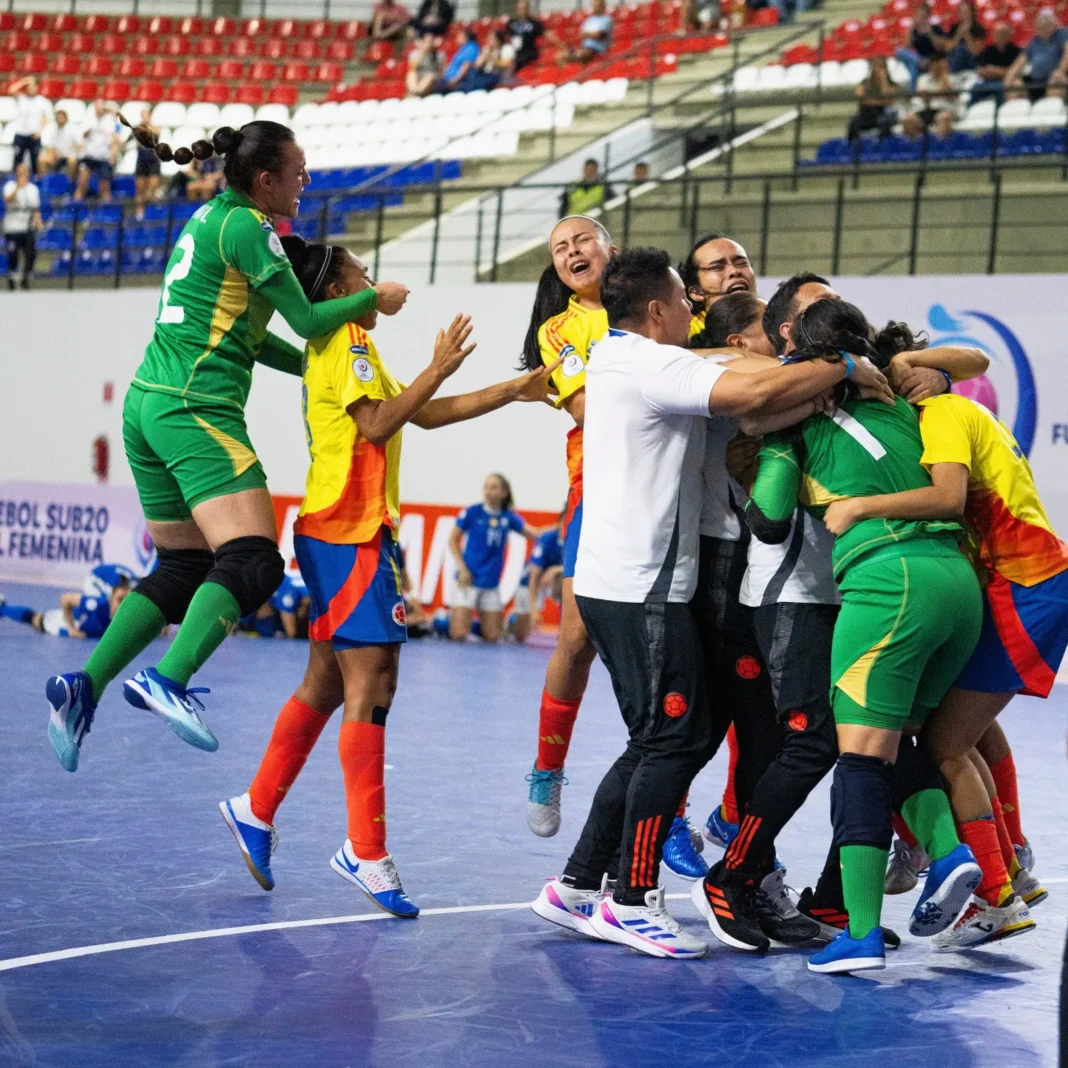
x=285 y=28
x=180 y=92
x=98 y=66
x=388 y=68
x=262 y=72
x=340 y=51
x=273 y=49
x=330 y=73
x=249 y=94
x=160 y=24
x=146 y=46
x=177 y=46
x=132 y=67
x=117 y=89
x=84 y=89
x=318 y=29
x=130 y=24
x=296 y=72
x=17 y=41
x=379 y=51
x=253 y=27
x=216 y=93
x=352 y=30
x=66 y=64
x=191 y=27
x=150 y=92
x=208 y=46
x=48 y=42
x=222 y=27
x=196 y=70
x=241 y=47
x=113 y=44
x=32 y=63
x=65 y=23
x=7 y=20
x=52 y=88
x=7 y=63
x=81 y=44
x=305 y=50
x=33 y=23
x=96 y=24
x=163 y=68
x=232 y=70
x=283 y=94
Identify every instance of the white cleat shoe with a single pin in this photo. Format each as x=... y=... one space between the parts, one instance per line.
x=982 y=923
x=378 y=879
x=1029 y=888
x=903 y=871
x=567 y=907
x=648 y=928
x=543 y=801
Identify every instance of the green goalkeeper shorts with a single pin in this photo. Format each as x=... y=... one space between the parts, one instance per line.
x=183 y=454
x=910 y=619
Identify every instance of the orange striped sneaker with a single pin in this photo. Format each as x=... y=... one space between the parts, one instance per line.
x=729 y=905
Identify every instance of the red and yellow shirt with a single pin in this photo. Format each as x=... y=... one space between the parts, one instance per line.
x=1015 y=537
x=572 y=335
x=353 y=486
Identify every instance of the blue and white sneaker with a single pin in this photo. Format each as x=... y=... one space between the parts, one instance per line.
x=178 y=706
x=648 y=928
x=718 y=831
x=845 y=954
x=948 y=888
x=72 y=708
x=258 y=840
x=567 y=907
x=378 y=879
x=679 y=853
x=543 y=801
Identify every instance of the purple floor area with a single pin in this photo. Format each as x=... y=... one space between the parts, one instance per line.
x=132 y=847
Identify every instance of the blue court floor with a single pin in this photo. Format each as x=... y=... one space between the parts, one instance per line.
x=132 y=848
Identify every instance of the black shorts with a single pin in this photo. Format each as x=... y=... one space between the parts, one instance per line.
x=148 y=169
x=100 y=167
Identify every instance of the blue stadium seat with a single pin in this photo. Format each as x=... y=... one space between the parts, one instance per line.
x=99 y=239
x=1052 y=141
x=61 y=265
x=899 y=149
x=55 y=185
x=368 y=202
x=142 y=236
x=836 y=151
x=307 y=227
x=124 y=185
x=55 y=239
x=104 y=215
x=67 y=213
x=1019 y=143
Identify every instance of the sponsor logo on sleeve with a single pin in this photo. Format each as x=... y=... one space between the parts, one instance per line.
x=362 y=369
x=572 y=364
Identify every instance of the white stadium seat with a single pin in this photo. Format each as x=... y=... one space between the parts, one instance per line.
x=273 y=113
x=206 y=115
x=7 y=137
x=830 y=73
x=616 y=89
x=800 y=76
x=130 y=111
x=187 y=134
x=980 y=116
x=1014 y=114
x=168 y=114
x=746 y=79
x=8 y=109
x=770 y=78
x=853 y=72
x=236 y=115
x=76 y=110
x=1049 y=111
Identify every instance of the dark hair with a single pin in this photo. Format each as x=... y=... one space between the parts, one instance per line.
x=257 y=146
x=632 y=280
x=316 y=266
x=830 y=327
x=596 y=162
x=780 y=308
x=551 y=298
x=688 y=268
x=732 y=314
x=509 y=500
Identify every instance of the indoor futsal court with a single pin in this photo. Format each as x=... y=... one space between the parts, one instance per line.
x=134 y=935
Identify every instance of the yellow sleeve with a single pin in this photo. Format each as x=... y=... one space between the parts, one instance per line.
x=946 y=429
x=555 y=342
x=354 y=368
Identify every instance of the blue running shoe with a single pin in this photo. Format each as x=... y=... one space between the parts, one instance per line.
x=543 y=801
x=378 y=879
x=70 y=701
x=176 y=705
x=719 y=831
x=258 y=840
x=845 y=954
x=679 y=853
x=949 y=886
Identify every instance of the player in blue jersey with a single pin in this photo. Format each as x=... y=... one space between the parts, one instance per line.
x=542 y=578
x=286 y=612
x=81 y=614
x=478 y=543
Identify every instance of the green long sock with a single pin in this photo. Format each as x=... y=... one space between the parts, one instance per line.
x=863 y=872
x=931 y=819
x=137 y=622
x=209 y=619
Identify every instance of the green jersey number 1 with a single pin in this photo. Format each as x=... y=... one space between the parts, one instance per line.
x=175 y=313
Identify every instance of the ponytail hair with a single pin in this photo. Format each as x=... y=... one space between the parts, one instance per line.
x=508 y=502
x=551 y=299
x=257 y=146
x=315 y=265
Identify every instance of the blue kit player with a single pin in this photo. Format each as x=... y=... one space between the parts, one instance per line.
x=542 y=579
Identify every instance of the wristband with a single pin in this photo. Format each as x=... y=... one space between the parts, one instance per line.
x=849 y=362
x=948 y=378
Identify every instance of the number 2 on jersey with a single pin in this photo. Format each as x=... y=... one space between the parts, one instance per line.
x=175 y=313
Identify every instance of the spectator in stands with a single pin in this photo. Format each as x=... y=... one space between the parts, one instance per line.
x=926 y=40
x=595 y=34
x=461 y=65
x=101 y=145
x=491 y=67
x=522 y=33
x=875 y=102
x=205 y=178
x=31 y=117
x=699 y=16
x=935 y=103
x=434 y=17
x=1042 y=69
x=424 y=67
x=22 y=220
x=590 y=193
x=995 y=62
x=60 y=147
x=641 y=173
x=389 y=21
x=146 y=169
x=968 y=39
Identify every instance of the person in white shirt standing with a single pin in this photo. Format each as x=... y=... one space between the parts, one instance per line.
x=61 y=144
x=98 y=156
x=647 y=402
x=22 y=219
x=32 y=113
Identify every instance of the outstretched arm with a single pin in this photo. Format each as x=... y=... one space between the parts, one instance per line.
x=278 y=353
x=921 y=373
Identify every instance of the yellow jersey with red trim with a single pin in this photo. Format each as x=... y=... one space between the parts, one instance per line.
x=697 y=323
x=572 y=335
x=1014 y=535
x=353 y=486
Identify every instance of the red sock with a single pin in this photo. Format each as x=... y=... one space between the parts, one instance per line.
x=1008 y=854
x=362 y=748
x=681 y=814
x=1004 y=773
x=982 y=836
x=556 y=721
x=901 y=829
x=295 y=733
x=729 y=808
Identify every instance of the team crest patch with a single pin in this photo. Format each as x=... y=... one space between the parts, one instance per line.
x=797 y=720
x=400 y=617
x=572 y=365
x=362 y=369
x=675 y=705
x=274 y=243
x=747 y=667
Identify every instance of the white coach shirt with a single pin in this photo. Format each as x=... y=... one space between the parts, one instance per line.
x=643 y=448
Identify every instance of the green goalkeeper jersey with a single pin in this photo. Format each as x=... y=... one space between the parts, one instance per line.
x=864 y=448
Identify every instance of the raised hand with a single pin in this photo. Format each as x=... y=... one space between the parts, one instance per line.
x=450 y=349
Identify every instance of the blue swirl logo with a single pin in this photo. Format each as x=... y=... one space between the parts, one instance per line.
x=1009 y=366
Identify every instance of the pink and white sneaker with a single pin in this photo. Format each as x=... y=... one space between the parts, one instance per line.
x=567 y=907
x=648 y=928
